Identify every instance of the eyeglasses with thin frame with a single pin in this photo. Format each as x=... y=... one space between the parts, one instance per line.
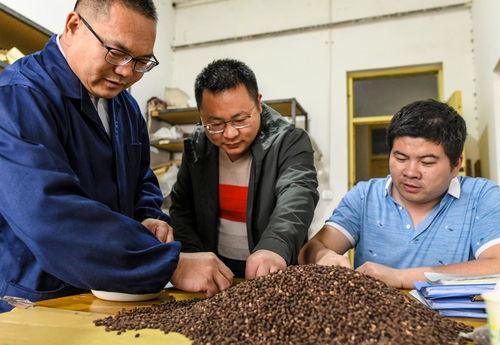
x=117 y=57
x=238 y=121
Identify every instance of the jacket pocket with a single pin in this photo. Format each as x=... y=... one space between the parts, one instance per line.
x=133 y=161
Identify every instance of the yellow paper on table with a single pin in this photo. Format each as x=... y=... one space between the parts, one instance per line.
x=42 y=325
x=492 y=299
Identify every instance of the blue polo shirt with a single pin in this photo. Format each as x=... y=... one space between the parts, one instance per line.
x=459 y=228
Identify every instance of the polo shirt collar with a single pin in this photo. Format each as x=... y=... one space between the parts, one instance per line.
x=454 y=189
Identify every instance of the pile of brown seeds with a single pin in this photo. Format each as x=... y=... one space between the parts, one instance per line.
x=301 y=305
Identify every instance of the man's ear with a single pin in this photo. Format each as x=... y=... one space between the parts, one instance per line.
x=259 y=99
x=71 y=27
x=458 y=165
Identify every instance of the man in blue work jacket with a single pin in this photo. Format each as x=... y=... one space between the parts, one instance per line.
x=79 y=205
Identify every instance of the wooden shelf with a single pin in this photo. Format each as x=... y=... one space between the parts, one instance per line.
x=178 y=116
x=20 y=32
x=285 y=106
x=289 y=107
x=161 y=169
x=172 y=146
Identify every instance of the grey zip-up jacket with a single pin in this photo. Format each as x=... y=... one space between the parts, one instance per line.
x=282 y=193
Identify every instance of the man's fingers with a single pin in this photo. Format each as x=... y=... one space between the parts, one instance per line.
x=274 y=269
x=162 y=230
x=364 y=268
x=226 y=272
x=221 y=278
x=161 y=234
x=164 y=233
x=211 y=290
x=262 y=270
x=170 y=234
x=222 y=282
x=250 y=271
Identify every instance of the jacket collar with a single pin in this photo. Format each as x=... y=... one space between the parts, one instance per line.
x=60 y=72
x=271 y=125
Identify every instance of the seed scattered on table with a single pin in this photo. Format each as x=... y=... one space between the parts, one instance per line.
x=301 y=305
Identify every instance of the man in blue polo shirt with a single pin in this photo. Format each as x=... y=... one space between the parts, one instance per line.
x=422 y=217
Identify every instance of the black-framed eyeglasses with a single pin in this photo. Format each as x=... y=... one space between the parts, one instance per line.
x=117 y=57
x=239 y=121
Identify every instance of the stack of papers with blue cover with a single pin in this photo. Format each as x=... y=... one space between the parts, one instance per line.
x=454 y=279
x=456 y=298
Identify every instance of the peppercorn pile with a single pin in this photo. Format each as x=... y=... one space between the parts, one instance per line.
x=301 y=305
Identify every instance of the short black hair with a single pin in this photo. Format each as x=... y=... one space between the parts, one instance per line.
x=144 y=7
x=431 y=120
x=225 y=74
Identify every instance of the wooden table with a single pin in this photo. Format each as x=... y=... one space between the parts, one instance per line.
x=87 y=302
x=68 y=320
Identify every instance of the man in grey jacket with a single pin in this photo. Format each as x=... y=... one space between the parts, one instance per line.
x=246 y=189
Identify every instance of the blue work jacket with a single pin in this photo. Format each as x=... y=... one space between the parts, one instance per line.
x=71 y=196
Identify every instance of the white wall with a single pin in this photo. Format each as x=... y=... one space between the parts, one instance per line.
x=51 y=14
x=487 y=58
x=495 y=143
x=217 y=19
x=312 y=65
x=154 y=82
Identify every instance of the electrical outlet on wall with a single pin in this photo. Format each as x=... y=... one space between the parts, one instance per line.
x=327 y=194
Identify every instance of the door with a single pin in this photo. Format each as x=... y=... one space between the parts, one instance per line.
x=373 y=98
x=455 y=101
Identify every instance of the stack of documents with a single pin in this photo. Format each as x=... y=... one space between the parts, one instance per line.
x=453 y=279
x=455 y=295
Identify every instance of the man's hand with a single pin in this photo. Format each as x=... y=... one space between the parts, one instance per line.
x=330 y=258
x=390 y=276
x=263 y=262
x=163 y=232
x=201 y=272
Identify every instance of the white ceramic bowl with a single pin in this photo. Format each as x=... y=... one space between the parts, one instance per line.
x=124 y=297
